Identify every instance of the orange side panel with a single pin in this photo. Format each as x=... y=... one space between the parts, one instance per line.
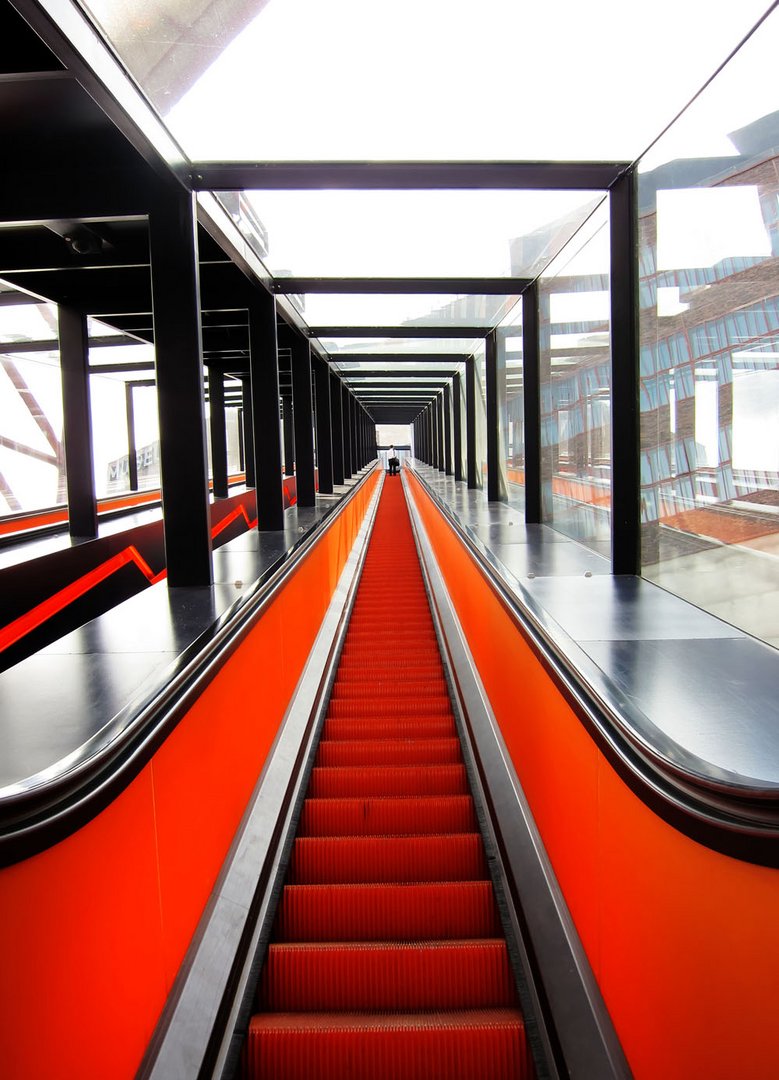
x=684 y=941
x=93 y=930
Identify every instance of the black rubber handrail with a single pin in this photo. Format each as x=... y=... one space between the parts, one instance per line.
x=53 y=805
x=733 y=819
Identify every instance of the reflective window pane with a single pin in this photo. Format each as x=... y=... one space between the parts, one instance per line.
x=511 y=406
x=576 y=387
x=709 y=250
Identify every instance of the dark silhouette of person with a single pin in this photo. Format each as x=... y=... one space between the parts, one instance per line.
x=394 y=462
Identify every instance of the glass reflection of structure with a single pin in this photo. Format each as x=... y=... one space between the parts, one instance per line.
x=709 y=303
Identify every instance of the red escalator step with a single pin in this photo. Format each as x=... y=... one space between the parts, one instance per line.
x=429 y=706
x=333 y=860
x=387 y=816
x=386 y=976
x=389 y=687
x=390 y=752
x=476 y=1044
x=365 y=780
x=441 y=910
x=432 y=727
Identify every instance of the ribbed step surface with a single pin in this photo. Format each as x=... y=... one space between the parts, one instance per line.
x=388 y=816
x=416 y=912
x=465 y=1045
x=387 y=956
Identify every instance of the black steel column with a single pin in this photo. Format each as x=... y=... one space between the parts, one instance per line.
x=432 y=432
x=324 y=428
x=494 y=493
x=346 y=406
x=179 y=366
x=440 y=431
x=338 y=430
x=264 y=364
x=303 y=409
x=470 y=422
x=625 y=411
x=248 y=432
x=356 y=463
x=531 y=390
x=132 y=449
x=77 y=423
x=218 y=425
x=457 y=426
x=447 y=430
x=288 y=431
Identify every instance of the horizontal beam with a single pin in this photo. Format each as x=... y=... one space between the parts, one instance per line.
x=499 y=286
x=399 y=358
x=407 y=175
x=442 y=331
x=52 y=344
x=114 y=369
x=428 y=376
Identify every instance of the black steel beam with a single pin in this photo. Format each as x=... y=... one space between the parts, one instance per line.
x=77 y=423
x=265 y=410
x=336 y=415
x=248 y=432
x=457 y=426
x=324 y=427
x=378 y=359
x=472 y=473
x=407 y=175
x=459 y=286
x=302 y=412
x=218 y=426
x=625 y=412
x=447 y=406
x=428 y=376
x=132 y=451
x=531 y=391
x=50 y=344
x=179 y=359
x=288 y=433
x=398 y=331
x=346 y=414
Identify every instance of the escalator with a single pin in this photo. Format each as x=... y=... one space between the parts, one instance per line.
x=387 y=956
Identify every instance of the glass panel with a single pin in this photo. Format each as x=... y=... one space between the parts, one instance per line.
x=32 y=457
x=511 y=405
x=576 y=387
x=399 y=345
x=416 y=233
x=410 y=81
x=709 y=249
x=337 y=309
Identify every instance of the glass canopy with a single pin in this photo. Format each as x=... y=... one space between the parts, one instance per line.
x=334 y=346
x=364 y=309
x=443 y=79
x=417 y=233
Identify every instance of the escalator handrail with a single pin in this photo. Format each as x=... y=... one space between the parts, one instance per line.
x=730 y=818
x=56 y=802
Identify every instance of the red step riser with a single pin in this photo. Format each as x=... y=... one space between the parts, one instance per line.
x=366 y=672
x=373 y=781
x=344 y=691
x=405 y=752
x=363 y=859
x=486 y=1045
x=432 y=706
x=393 y=976
x=389 y=728
x=432 y=911
x=387 y=816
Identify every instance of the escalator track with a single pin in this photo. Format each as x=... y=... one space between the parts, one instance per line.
x=387 y=956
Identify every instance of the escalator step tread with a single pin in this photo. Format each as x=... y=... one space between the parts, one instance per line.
x=397 y=976
x=377 y=780
x=388 y=816
x=341 y=859
x=389 y=752
x=471 y=1044
x=372 y=912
